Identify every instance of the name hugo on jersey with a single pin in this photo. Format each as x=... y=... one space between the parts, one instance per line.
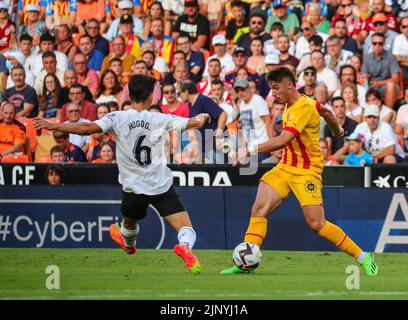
x=139 y=124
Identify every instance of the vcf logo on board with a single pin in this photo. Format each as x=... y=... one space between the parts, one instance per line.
x=386 y=182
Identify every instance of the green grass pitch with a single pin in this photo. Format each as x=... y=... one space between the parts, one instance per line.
x=160 y=274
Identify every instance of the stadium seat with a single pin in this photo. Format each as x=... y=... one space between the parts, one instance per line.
x=45 y=159
x=10 y=158
x=45 y=143
x=30 y=132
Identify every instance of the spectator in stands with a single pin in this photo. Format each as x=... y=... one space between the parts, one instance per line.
x=284 y=57
x=110 y=89
x=218 y=91
x=336 y=143
x=73 y=116
x=85 y=75
x=214 y=11
x=303 y=42
x=257 y=23
x=315 y=43
x=315 y=17
x=254 y=117
x=350 y=95
x=354 y=23
x=97 y=139
x=324 y=74
x=347 y=74
x=164 y=45
x=107 y=153
x=47 y=43
x=382 y=71
x=119 y=52
x=12 y=132
x=378 y=7
x=324 y=148
x=34 y=27
x=173 y=106
x=239 y=25
x=25 y=46
x=346 y=41
x=290 y=21
x=380 y=26
x=401 y=125
x=309 y=77
x=194 y=25
x=220 y=52
x=49 y=97
x=202 y=104
x=72 y=152
x=132 y=40
x=116 y=65
x=54 y=175
x=149 y=57
x=65 y=43
x=57 y=154
x=336 y=57
x=70 y=77
x=386 y=114
x=240 y=59
x=214 y=73
x=89 y=9
x=271 y=62
x=156 y=11
x=125 y=8
x=400 y=47
x=357 y=155
x=93 y=29
x=159 y=63
x=59 y=13
x=93 y=56
x=8 y=29
x=102 y=110
x=21 y=95
x=49 y=62
x=195 y=59
x=77 y=96
x=380 y=139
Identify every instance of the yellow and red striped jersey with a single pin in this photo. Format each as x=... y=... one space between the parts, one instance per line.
x=302 y=155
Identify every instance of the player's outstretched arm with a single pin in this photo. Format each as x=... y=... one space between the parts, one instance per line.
x=83 y=128
x=273 y=144
x=198 y=121
x=331 y=121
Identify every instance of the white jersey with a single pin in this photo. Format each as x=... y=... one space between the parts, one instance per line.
x=140 y=140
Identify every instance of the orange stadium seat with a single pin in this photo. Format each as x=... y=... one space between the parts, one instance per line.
x=10 y=158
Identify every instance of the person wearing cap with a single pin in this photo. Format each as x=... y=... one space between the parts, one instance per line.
x=254 y=116
x=34 y=26
x=357 y=155
x=220 y=52
x=164 y=45
x=194 y=25
x=382 y=71
x=380 y=26
x=239 y=24
x=125 y=8
x=240 y=58
x=22 y=5
x=380 y=140
x=132 y=40
x=61 y=12
x=290 y=21
x=257 y=22
x=378 y=6
x=195 y=59
x=7 y=28
x=310 y=79
x=271 y=62
x=201 y=104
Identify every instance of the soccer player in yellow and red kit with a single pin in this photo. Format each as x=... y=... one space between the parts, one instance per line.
x=299 y=170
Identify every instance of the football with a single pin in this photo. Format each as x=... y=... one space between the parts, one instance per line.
x=247 y=256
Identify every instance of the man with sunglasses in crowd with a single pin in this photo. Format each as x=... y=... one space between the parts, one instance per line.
x=400 y=47
x=380 y=26
x=310 y=79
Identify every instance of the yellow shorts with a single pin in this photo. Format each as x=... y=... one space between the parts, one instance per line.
x=306 y=188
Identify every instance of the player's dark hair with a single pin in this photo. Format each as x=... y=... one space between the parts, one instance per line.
x=281 y=73
x=140 y=88
x=188 y=86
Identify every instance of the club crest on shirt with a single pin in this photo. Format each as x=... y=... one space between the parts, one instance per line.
x=310 y=187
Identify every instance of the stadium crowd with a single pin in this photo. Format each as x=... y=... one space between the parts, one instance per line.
x=71 y=61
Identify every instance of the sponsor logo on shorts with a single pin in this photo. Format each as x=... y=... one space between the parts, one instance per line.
x=310 y=186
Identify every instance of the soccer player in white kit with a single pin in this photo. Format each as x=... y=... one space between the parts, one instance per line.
x=144 y=175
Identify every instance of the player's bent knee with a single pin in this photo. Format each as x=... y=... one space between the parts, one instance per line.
x=316 y=225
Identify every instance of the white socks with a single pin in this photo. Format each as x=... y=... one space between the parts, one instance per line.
x=361 y=256
x=187 y=236
x=129 y=236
